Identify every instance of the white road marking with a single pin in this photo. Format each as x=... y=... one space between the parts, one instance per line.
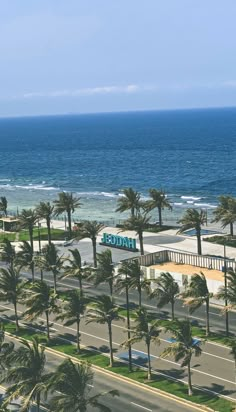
x=140 y=406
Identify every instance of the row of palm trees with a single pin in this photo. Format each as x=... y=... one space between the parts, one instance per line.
x=40 y=299
x=24 y=370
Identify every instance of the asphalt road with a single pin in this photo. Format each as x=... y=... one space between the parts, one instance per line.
x=131 y=398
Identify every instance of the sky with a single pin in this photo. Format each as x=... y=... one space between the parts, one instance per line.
x=77 y=56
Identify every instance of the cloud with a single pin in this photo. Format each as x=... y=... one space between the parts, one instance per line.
x=90 y=91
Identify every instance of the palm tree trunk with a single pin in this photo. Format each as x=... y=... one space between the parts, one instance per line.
x=69 y=222
x=128 y=328
x=139 y=296
x=190 y=389
x=111 y=287
x=16 y=317
x=78 y=335
x=132 y=211
x=47 y=323
x=141 y=243
x=199 y=245
x=207 y=318
x=38 y=402
x=55 y=282
x=110 y=344
x=173 y=309
x=31 y=238
x=160 y=216
x=94 y=243
x=231 y=229
x=49 y=231
x=149 y=362
x=80 y=284
x=32 y=271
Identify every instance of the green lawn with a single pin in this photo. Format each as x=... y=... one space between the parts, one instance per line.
x=57 y=234
x=158 y=381
x=220 y=240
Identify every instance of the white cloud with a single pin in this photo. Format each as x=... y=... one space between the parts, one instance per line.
x=90 y=91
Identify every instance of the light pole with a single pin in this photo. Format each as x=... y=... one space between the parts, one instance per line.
x=128 y=322
x=226 y=293
x=40 y=250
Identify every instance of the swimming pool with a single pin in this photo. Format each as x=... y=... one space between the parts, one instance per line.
x=192 y=232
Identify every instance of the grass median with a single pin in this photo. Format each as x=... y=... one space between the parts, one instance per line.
x=96 y=358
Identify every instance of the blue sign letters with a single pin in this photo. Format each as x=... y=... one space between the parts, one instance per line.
x=119 y=242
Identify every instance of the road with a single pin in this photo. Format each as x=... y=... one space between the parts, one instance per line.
x=131 y=398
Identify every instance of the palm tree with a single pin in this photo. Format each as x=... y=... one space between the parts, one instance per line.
x=67 y=203
x=105 y=269
x=25 y=257
x=228 y=292
x=139 y=224
x=193 y=219
x=45 y=211
x=71 y=384
x=11 y=288
x=28 y=219
x=158 y=201
x=104 y=311
x=183 y=347
x=7 y=252
x=166 y=291
x=40 y=299
x=74 y=307
x=145 y=331
x=51 y=261
x=91 y=229
x=226 y=212
x=197 y=294
x=129 y=201
x=3 y=205
x=26 y=377
x=122 y=284
x=75 y=268
x=135 y=277
x=6 y=349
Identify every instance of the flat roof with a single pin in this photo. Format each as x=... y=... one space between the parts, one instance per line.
x=189 y=270
x=9 y=219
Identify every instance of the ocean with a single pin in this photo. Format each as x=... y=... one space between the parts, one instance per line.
x=191 y=154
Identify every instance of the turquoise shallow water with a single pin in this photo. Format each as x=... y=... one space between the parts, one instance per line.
x=191 y=154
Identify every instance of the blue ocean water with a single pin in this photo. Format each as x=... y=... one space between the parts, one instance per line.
x=191 y=154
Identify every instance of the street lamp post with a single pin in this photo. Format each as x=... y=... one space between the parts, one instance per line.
x=40 y=249
x=128 y=323
x=226 y=290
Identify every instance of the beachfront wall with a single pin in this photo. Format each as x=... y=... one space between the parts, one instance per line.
x=208 y=262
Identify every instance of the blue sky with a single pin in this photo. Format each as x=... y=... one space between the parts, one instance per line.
x=76 y=56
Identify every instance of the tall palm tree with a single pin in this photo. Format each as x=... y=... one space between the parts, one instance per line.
x=3 y=205
x=26 y=377
x=90 y=229
x=11 y=288
x=139 y=224
x=45 y=211
x=197 y=294
x=40 y=299
x=25 y=257
x=193 y=219
x=75 y=268
x=70 y=385
x=72 y=310
x=226 y=212
x=28 y=219
x=145 y=331
x=105 y=269
x=227 y=292
x=7 y=252
x=123 y=284
x=183 y=347
x=158 y=201
x=166 y=291
x=135 y=277
x=67 y=203
x=104 y=311
x=50 y=261
x=129 y=201
x=6 y=349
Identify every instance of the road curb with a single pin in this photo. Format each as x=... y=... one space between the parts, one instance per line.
x=192 y=405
